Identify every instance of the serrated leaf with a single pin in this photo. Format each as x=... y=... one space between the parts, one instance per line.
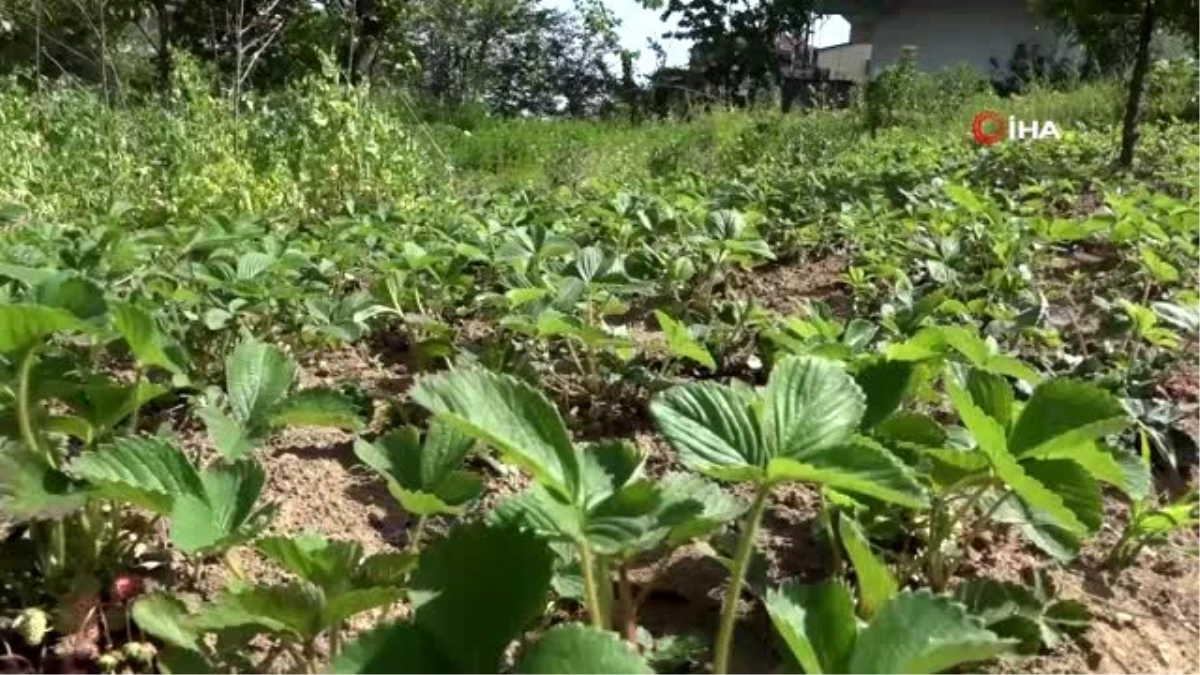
x=346 y=604
x=876 y=583
x=257 y=377
x=538 y=510
x=884 y=383
x=618 y=524
x=816 y=622
x=990 y=437
x=605 y=468
x=173 y=660
x=717 y=507
x=1078 y=490
x=1040 y=530
x=292 y=609
x=316 y=408
x=396 y=648
x=918 y=632
x=104 y=403
x=476 y=589
x=251 y=264
x=401 y=456
x=681 y=343
x=424 y=478
x=148 y=344
x=574 y=648
x=72 y=292
x=809 y=406
x=224 y=514
x=714 y=429
x=385 y=569
x=861 y=466
x=22 y=326
x=230 y=437
x=313 y=558
x=510 y=415
x=30 y=489
x=993 y=395
x=145 y=471
x=166 y=618
x=1063 y=414
x=1013 y=611
x=912 y=428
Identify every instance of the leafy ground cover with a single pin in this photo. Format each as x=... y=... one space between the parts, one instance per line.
x=318 y=389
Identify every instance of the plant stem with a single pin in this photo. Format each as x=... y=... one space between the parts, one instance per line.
x=604 y=589
x=741 y=561
x=24 y=414
x=933 y=555
x=137 y=384
x=414 y=541
x=335 y=640
x=233 y=565
x=626 y=604
x=968 y=505
x=590 y=595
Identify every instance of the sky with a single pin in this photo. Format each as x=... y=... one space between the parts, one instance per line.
x=639 y=23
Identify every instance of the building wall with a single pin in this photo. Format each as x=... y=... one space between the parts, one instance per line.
x=949 y=32
x=848 y=62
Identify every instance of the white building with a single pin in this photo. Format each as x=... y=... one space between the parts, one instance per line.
x=946 y=33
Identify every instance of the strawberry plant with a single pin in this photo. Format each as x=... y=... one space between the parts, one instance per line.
x=260 y=396
x=913 y=632
x=800 y=427
x=591 y=496
x=424 y=476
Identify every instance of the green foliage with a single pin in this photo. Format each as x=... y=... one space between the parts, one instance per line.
x=801 y=427
x=424 y=477
x=259 y=383
x=1035 y=618
x=473 y=592
x=915 y=632
x=936 y=336
x=573 y=648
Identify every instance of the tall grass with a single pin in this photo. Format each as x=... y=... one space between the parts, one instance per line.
x=318 y=149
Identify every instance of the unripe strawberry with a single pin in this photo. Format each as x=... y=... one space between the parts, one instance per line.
x=32 y=625
x=127 y=587
x=140 y=652
x=109 y=662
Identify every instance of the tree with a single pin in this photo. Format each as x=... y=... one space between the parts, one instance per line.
x=1117 y=34
x=736 y=43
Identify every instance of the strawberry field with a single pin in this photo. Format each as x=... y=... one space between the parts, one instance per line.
x=315 y=387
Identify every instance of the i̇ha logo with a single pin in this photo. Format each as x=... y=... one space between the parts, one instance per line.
x=990 y=127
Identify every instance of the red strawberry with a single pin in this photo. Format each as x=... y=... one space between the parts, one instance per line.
x=127 y=587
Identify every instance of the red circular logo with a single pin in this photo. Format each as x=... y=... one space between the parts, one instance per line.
x=989 y=127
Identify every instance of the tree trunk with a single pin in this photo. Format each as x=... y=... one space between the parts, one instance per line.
x=1137 y=87
x=370 y=37
x=162 y=57
x=37 y=48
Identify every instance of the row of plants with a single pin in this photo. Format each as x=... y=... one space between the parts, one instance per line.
x=992 y=357
x=914 y=448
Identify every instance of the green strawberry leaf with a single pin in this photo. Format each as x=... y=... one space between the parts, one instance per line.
x=918 y=632
x=574 y=648
x=816 y=622
x=509 y=415
x=876 y=583
x=145 y=471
